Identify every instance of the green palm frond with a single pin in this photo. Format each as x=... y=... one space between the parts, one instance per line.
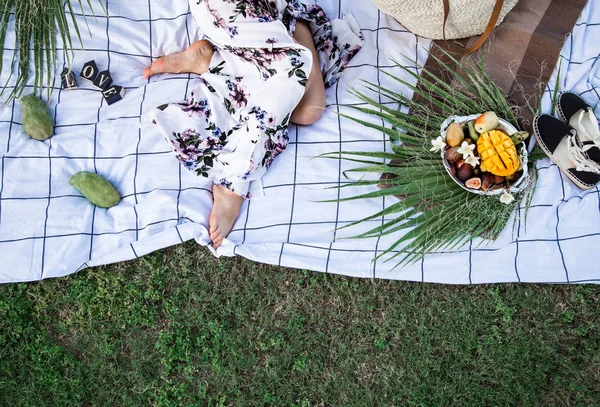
x=434 y=214
x=36 y=25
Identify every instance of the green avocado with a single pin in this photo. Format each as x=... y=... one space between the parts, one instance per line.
x=96 y=189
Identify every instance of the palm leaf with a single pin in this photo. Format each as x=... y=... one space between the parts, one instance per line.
x=434 y=214
x=37 y=25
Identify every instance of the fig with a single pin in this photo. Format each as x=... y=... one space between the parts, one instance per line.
x=487 y=180
x=498 y=179
x=464 y=172
x=454 y=134
x=473 y=183
x=452 y=155
x=453 y=169
x=486 y=122
x=514 y=176
x=472 y=133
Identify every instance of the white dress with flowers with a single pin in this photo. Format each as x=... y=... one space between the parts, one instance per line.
x=235 y=121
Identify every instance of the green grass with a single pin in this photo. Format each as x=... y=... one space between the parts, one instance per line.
x=180 y=328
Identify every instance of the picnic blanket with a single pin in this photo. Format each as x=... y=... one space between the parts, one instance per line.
x=48 y=230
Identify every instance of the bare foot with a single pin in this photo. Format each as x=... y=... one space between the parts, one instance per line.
x=225 y=210
x=195 y=59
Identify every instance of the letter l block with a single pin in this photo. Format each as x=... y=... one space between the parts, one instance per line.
x=67 y=78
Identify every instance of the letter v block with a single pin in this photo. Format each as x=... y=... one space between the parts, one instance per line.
x=67 y=78
x=103 y=80
x=113 y=94
x=89 y=71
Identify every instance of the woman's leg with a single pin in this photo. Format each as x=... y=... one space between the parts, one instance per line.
x=195 y=59
x=312 y=104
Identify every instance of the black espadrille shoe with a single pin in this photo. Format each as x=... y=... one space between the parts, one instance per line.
x=568 y=104
x=579 y=160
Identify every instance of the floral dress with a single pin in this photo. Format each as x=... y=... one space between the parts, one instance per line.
x=235 y=121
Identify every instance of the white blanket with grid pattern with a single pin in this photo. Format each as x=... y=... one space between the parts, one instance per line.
x=47 y=229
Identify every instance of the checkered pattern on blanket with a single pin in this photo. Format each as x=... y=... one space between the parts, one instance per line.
x=47 y=229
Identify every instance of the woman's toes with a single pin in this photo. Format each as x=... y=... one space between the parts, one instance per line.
x=195 y=59
x=154 y=68
x=216 y=242
x=214 y=233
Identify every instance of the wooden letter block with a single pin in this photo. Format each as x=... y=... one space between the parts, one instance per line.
x=103 y=80
x=68 y=79
x=89 y=71
x=113 y=94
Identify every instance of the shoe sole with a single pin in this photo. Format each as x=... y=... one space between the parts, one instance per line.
x=564 y=170
x=561 y=114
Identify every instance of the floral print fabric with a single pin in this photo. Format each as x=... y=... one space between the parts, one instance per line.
x=336 y=41
x=235 y=121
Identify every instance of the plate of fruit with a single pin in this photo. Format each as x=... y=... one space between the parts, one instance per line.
x=484 y=154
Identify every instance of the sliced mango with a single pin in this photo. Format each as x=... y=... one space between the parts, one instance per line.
x=498 y=153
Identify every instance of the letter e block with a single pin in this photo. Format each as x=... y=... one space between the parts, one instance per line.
x=67 y=78
x=103 y=80
x=89 y=71
x=113 y=94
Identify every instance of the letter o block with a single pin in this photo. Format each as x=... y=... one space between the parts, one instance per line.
x=89 y=71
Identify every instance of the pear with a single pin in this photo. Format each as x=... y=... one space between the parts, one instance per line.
x=486 y=122
x=454 y=134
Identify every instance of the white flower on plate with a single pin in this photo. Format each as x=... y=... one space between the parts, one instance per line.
x=438 y=144
x=466 y=150
x=506 y=198
x=472 y=160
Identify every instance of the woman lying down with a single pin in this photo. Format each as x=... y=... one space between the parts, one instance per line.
x=264 y=64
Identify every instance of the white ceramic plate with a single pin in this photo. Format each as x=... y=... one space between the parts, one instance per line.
x=509 y=129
